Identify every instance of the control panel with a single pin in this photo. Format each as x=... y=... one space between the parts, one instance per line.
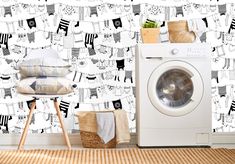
x=174 y=50
x=195 y=51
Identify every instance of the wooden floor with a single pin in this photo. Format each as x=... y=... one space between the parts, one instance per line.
x=120 y=155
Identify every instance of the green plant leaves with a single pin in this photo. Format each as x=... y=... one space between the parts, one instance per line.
x=150 y=24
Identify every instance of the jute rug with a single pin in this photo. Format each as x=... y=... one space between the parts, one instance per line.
x=120 y=156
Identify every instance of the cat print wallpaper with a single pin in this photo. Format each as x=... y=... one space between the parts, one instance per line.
x=98 y=38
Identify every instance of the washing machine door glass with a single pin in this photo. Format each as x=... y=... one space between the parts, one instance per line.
x=175 y=88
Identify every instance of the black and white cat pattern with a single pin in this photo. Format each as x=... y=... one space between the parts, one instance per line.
x=4 y=39
x=232 y=25
x=89 y=40
x=31 y=23
x=4 y=122
x=63 y=25
x=64 y=107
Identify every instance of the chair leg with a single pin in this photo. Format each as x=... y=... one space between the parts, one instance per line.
x=56 y=104
x=23 y=136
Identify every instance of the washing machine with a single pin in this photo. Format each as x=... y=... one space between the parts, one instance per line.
x=173 y=95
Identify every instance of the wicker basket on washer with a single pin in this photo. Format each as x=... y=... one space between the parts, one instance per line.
x=88 y=129
x=179 y=32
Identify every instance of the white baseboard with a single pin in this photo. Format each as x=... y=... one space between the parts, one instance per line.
x=57 y=139
x=39 y=139
x=223 y=138
x=46 y=139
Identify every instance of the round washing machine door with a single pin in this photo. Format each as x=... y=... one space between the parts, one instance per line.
x=175 y=88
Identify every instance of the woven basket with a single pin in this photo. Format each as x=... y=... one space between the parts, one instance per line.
x=179 y=33
x=92 y=140
x=88 y=129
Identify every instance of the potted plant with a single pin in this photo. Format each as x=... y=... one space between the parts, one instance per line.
x=150 y=31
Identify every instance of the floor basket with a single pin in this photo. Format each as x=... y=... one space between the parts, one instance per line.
x=92 y=140
x=88 y=131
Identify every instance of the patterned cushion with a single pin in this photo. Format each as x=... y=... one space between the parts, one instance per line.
x=45 y=86
x=43 y=63
x=55 y=67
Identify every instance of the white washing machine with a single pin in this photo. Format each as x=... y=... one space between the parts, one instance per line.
x=173 y=94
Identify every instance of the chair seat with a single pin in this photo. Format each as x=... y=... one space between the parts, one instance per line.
x=37 y=96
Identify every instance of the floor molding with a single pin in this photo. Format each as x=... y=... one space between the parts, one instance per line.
x=46 y=139
x=223 y=138
x=57 y=139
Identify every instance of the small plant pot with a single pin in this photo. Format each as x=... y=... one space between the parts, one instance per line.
x=150 y=35
x=179 y=33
